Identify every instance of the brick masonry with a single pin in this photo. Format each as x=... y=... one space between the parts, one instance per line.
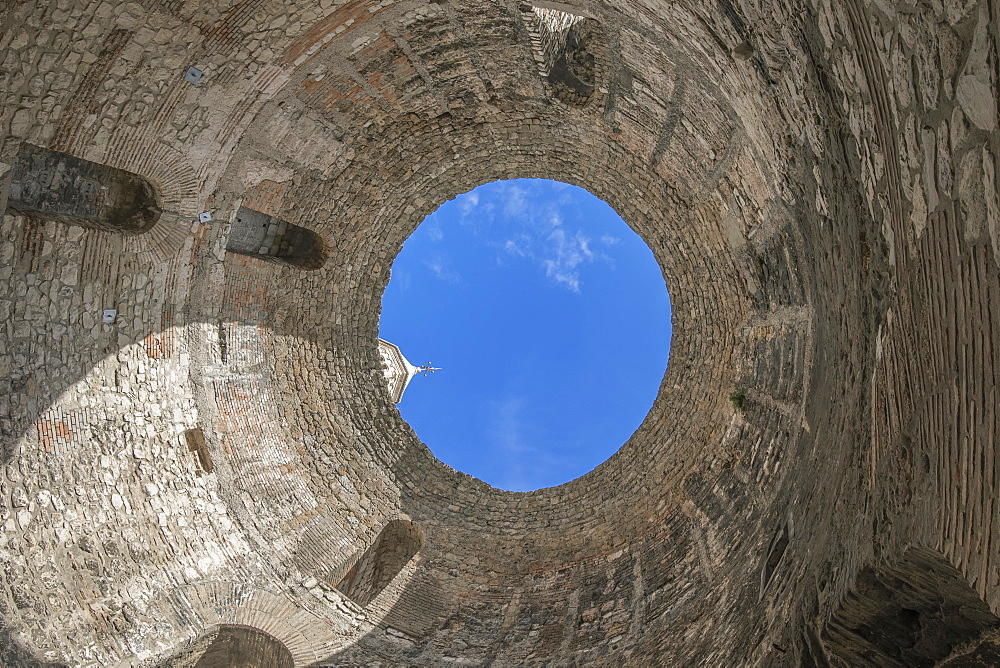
x=817 y=180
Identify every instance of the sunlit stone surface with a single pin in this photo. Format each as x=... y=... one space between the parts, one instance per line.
x=817 y=180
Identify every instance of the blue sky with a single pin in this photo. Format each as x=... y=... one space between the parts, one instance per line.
x=550 y=320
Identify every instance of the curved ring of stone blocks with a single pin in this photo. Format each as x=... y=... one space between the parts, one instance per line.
x=771 y=194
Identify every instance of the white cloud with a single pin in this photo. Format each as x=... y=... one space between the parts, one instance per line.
x=515 y=201
x=469 y=202
x=535 y=228
x=521 y=459
x=475 y=209
x=565 y=254
x=515 y=246
x=439 y=267
x=507 y=432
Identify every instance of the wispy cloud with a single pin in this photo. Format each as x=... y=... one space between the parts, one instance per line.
x=519 y=246
x=528 y=220
x=434 y=232
x=566 y=254
x=477 y=210
x=515 y=201
x=508 y=438
x=469 y=203
x=401 y=278
x=542 y=234
x=524 y=456
x=439 y=266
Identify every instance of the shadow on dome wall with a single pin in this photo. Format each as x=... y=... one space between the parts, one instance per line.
x=14 y=655
x=910 y=614
x=397 y=543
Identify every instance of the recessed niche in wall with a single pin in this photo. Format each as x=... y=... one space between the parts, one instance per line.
x=550 y=320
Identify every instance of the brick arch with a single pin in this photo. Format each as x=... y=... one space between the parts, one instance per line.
x=203 y=609
x=176 y=183
x=171 y=172
x=237 y=646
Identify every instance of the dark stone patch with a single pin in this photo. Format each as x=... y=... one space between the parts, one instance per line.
x=396 y=544
x=52 y=185
x=195 y=439
x=912 y=614
x=14 y=655
x=573 y=75
x=265 y=237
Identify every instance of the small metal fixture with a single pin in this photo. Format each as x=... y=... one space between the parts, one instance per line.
x=109 y=316
x=205 y=216
x=193 y=75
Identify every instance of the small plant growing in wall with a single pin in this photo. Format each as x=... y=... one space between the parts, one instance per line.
x=739 y=399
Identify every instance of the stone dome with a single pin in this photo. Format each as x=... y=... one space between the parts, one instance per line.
x=218 y=476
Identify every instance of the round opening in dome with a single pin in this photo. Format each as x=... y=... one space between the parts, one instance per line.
x=549 y=320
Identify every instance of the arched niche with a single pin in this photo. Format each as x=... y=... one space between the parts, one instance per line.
x=911 y=614
x=570 y=49
x=268 y=238
x=57 y=186
x=234 y=646
x=397 y=543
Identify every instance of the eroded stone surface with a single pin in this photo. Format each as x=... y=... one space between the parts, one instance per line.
x=816 y=179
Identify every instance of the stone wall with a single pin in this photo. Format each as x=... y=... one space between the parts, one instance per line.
x=910 y=613
x=236 y=647
x=57 y=186
x=815 y=178
x=397 y=543
x=271 y=239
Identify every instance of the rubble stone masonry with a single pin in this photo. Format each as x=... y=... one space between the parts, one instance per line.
x=216 y=476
